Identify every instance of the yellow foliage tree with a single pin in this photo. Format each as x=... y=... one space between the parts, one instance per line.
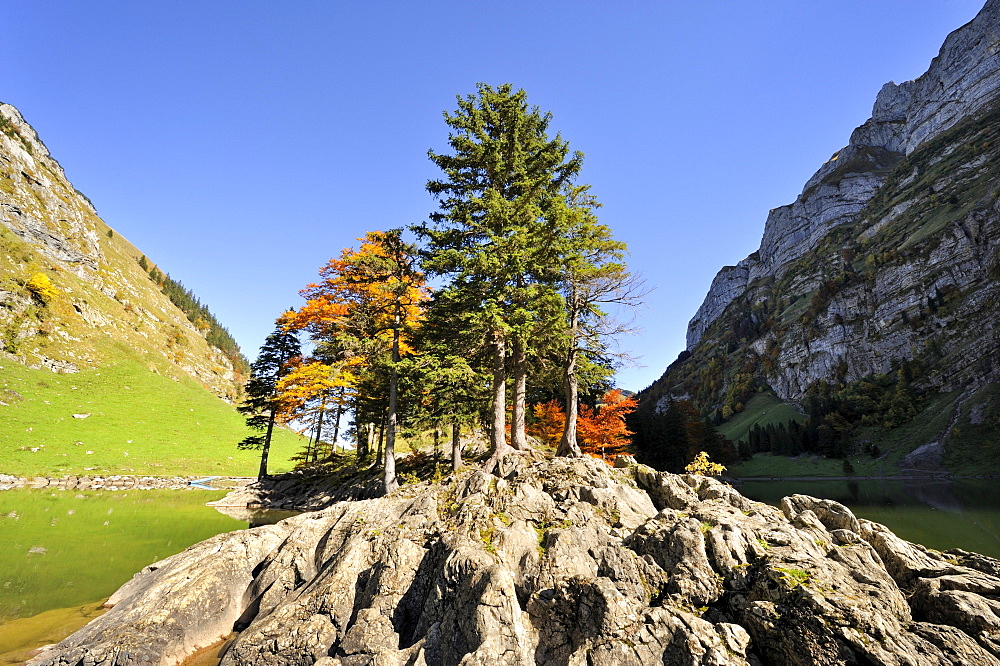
x=366 y=308
x=702 y=465
x=41 y=286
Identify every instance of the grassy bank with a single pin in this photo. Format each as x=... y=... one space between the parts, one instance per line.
x=136 y=422
x=971 y=449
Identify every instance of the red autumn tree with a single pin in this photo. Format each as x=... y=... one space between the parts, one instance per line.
x=602 y=432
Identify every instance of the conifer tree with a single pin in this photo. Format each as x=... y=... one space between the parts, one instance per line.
x=262 y=403
x=593 y=279
x=490 y=235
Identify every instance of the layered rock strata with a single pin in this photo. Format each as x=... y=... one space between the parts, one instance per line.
x=557 y=562
x=961 y=83
x=890 y=252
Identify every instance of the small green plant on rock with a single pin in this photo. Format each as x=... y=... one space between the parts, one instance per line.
x=486 y=534
x=795 y=576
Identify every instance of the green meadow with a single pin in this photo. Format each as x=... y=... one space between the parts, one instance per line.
x=134 y=421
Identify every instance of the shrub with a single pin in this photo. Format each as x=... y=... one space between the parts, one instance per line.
x=702 y=465
x=41 y=286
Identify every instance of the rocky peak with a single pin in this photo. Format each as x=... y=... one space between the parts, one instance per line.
x=556 y=562
x=39 y=204
x=961 y=82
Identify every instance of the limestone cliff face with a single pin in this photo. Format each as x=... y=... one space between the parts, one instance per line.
x=556 y=562
x=39 y=205
x=962 y=83
x=100 y=302
x=890 y=253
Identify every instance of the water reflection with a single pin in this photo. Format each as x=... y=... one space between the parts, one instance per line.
x=255 y=517
x=67 y=548
x=939 y=513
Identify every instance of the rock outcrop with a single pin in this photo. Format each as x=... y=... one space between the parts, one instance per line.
x=557 y=562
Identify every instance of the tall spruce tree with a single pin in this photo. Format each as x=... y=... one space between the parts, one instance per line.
x=261 y=404
x=491 y=235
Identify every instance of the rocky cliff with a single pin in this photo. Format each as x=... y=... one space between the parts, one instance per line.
x=557 y=562
x=889 y=254
x=72 y=293
x=962 y=83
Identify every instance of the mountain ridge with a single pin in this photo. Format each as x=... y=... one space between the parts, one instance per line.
x=100 y=292
x=877 y=289
x=904 y=116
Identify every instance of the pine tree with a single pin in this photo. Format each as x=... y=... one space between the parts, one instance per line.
x=261 y=403
x=490 y=235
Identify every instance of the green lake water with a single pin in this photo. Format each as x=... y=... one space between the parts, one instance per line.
x=63 y=552
x=67 y=548
x=957 y=513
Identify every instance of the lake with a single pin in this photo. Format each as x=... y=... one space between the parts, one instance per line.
x=940 y=514
x=64 y=552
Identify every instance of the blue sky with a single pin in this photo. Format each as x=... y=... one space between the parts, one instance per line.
x=241 y=144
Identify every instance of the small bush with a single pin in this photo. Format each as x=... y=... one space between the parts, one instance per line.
x=41 y=286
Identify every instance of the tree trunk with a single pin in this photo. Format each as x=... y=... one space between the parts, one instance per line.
x=518 y=438
x=567 y=445
x=336 y=423
x=391 y=483
x=498 y=438
x=381 y=440
x=360 y=441
x=319 y=429
x=456 y=446
x=262 y=473
x=309 y=445
x=437 y=445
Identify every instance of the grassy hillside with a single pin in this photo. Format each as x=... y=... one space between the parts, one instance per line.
x=893 y=445
x=140 y=422
x=763 y=409
x=974 y=443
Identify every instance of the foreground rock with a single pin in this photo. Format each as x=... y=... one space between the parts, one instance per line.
x=557 y=562
x=308 y=489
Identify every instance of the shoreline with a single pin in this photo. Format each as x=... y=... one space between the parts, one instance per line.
x=898 y=477
x=116 y=482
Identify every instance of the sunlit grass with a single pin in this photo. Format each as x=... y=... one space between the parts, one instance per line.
x=137 y=422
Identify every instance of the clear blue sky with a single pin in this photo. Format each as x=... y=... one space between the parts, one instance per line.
x=241 y=144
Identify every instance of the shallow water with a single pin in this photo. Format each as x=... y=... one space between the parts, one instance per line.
x=65 y=550
x=940 y=514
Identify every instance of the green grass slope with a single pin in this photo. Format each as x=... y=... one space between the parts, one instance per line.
x=763 y=409
x=893 y=445
x=140 y=422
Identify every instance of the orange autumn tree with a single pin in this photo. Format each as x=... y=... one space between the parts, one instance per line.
x=363 y=313
x=311 y=390
x=602 y=432
x=549 y=422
